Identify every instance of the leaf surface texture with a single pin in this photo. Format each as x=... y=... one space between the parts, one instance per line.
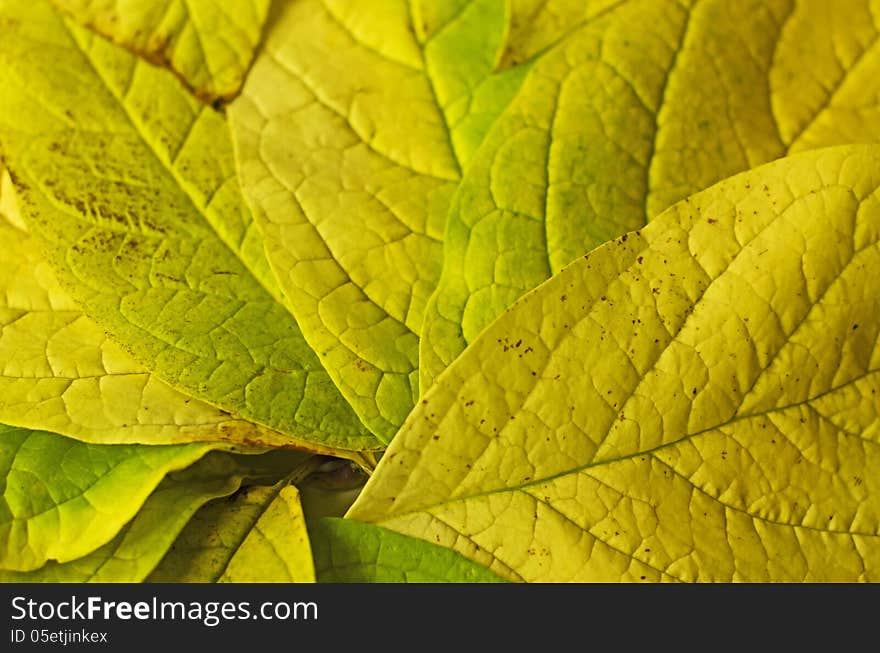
x=257 y=536
x=208 y=43
x=352 y=132
x=128 y=184
x=625 y=115
x=693 y=401
x=63 y=374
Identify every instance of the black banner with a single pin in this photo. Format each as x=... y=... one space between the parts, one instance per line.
x=354 y=618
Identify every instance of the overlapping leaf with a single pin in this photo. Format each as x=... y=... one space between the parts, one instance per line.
x=208 y=43
x=348 y=162
x=697 y=400
x=352 y=132
x=693 y=401
x=62 y=499
x=627 y=114
x=9 y=210
x=136 y=550
x=258 y=535
x=128 y=183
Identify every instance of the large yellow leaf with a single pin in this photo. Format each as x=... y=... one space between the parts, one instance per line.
x=352 y=131
x=698 y=400
x=625 y=115
x=128 y=184
x=208 y=43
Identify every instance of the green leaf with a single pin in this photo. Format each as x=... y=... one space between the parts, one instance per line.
x=629 y=113
x=128 y=183
x=208 y=43
x=60 y=372
x=140 y=545
x=257 y=536
x=62 y=499
x=351 y=131
x=693 y=401
x=348 y=551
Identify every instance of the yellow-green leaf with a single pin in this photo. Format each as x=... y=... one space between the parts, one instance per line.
x=60 y=372
x=208 y=43
x=140 y=545
x=128 y=184
x=697 y=401
x=62 y=499
x=352 y=130
x=257 y=536
x=348 y=551
x=629 y=113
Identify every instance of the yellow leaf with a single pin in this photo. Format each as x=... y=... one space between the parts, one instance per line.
x=128 y=184
x=625 y=115
x=694 y=401
x=352 y=132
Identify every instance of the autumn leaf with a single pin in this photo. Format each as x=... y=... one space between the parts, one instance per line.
x=627 y=114
x=694 y=401
x=128 y=185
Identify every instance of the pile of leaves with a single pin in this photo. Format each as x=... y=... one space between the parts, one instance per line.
x=439 y=290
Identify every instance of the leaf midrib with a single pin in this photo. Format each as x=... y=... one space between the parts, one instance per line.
x=431 y=86
x=427 y=508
